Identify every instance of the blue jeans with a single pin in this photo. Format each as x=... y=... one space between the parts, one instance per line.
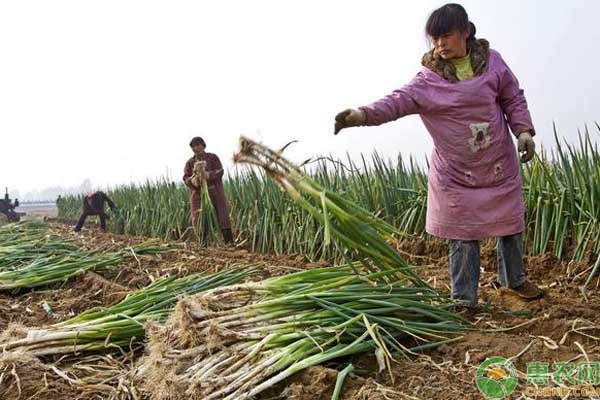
x=465 y=265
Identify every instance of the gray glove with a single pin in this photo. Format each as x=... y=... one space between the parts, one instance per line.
x=348 y=118
x=526 y=146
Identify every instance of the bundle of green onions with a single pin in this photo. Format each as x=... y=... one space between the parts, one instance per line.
x=234 y=342
x=100 y=328
x=15 y=230
x=24 y=242
x=357 y=229
x=62 y=266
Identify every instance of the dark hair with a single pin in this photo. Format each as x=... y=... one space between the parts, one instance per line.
x=197 y=140
x=447 y=18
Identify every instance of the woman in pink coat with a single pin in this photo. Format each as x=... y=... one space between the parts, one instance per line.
x=467 y=98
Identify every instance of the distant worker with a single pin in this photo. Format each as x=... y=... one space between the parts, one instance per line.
x=93 y=204
x=59 y=203
x=206 y=169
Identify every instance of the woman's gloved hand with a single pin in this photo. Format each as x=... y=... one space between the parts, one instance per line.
x=348 y=118
x=526 y=146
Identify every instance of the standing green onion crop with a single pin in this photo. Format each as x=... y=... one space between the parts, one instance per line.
x=562 y=197
x=561 y=188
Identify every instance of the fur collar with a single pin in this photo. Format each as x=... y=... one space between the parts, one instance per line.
x=479 y=51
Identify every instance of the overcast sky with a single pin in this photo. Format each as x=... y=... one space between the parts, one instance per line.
x=114 y=90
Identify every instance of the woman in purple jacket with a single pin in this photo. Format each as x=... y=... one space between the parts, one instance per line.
x=467 y=98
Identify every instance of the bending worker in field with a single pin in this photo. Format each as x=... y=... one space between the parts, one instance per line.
x=93 y=204
x=206 y=169
x=467 y=97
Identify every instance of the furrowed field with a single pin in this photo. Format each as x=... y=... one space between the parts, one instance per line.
x=332 y=291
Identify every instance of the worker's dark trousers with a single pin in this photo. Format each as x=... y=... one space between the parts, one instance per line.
x=82 y=221
x=465 y=264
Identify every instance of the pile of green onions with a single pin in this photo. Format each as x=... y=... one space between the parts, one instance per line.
x=24 y=242
x=59 y=267
x=234 y=342
x=102 y=328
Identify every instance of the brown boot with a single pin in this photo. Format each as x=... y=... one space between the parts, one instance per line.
x=467 y=311
x=528 y=290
